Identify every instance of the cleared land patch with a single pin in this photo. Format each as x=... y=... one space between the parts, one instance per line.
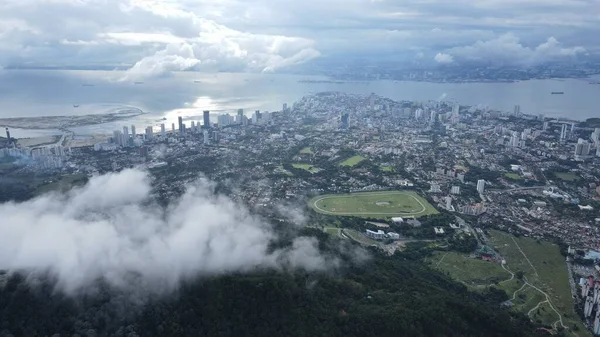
x=373 y=204
x=543 y=267
x=472 y=272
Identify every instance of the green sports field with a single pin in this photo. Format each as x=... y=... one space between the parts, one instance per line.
x=379 y=204
x=352 y=161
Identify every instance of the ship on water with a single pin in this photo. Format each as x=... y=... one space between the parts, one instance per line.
x=76 y=105
x=557 y=93
x=138 y=82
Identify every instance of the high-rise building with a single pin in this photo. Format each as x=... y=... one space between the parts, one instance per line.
x=514 y=139
x=163 y=131
x=206 y=116
x=216 y=136
x=173 y=127
x=206 y=137
x=118 y=137
x=595 y=136
x=180 y=120
x=455 y=190
x=285 y=107
x=433 y=117
x=256 y=117
x=582 y=148
x=372 y=101
x=480 y=186
x=546 y=125
x=125 y=136
x=517 y=110
x=8 y=136
x=149 y=133
x=345 y=120
x=240 y=116
x=563 y=132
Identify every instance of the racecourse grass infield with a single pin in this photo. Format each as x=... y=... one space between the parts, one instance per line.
x=381 y=204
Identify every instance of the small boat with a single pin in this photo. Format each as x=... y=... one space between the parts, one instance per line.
x=138 y=82
x=557 y=93
x=76 y=105
x=197 y=81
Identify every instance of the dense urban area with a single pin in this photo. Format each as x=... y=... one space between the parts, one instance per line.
x=497 y=201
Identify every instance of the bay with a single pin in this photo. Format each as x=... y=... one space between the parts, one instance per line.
x=31 y=93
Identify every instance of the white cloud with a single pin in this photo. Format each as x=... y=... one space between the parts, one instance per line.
x=110 y=230
x=443 y=58
x=508 y=49
x=266 y=35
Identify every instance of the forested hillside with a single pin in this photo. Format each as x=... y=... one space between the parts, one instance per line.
x=384 y=296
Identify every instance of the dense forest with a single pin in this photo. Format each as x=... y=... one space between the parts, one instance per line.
x=383 y=296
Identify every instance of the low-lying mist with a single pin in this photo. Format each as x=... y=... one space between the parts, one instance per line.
x=112 y=231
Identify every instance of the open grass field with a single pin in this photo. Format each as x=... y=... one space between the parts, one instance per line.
x=566 y=176
x=61 y=184
x=307 y=167
x=387 y=169
x=352 y=161
x=512 y=176
x=332 y=230
x=306 y=150
x=379 y=204
x=472 y=272
x=543 y=267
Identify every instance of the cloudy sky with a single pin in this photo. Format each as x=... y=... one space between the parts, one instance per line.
x=154 y=37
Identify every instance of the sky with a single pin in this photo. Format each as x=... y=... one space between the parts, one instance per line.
x=152 y=37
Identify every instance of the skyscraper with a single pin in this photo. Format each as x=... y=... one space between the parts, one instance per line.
x=256 y=117
x=173 y=127
x=149 y=133
x=285 y=107
x=372 y=101
x=180 y=119
x=8 y=136
x=563 y=132
x=206 y=116
x=480 y=186
x=240 y=116
x=433 y=117
x=517 y=110
x=163 y=132
x=125 y=136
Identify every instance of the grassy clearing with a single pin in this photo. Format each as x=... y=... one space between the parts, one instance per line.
x=546 y=269
x=352 y=161
x=473 y=272
x=332 y=231
x=380 y=204
x=307 y=167
x=387 y=169
x=512 y=176
x=567 y=176
x=306 y=150
x=280 y=169
x=62 y=184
